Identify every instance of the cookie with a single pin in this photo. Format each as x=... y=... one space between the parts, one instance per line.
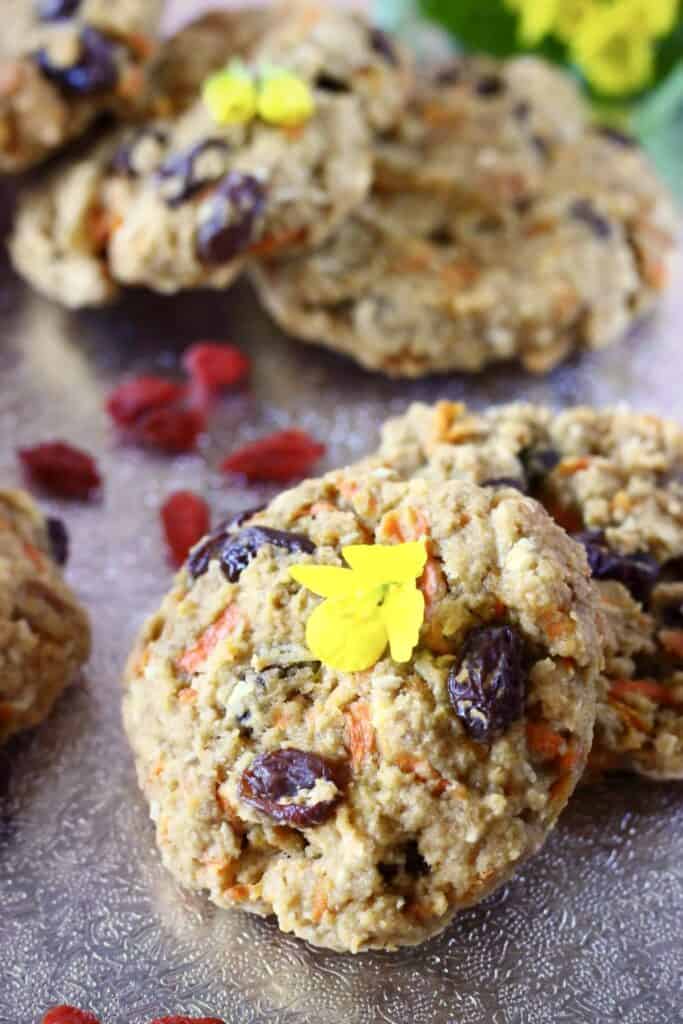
x=64 y=63
x=365 y=808
x=613 y=478
x=44 y=633
x=412 y=285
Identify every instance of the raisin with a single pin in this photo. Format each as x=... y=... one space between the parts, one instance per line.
x=55 y=10
x=388 y=872
x=241 y=548
x=415 y=864
x=69 y=1015
x=123 y=160
x=449 y=74
x=229 y=230
x=273 y=777
x=382 y=44
x=328 y=83
x=489 y=85
x=505 y=481
x=215 y=367
x=94 y=72
x=186 y=519
x=134 y=398
x=169 y=430
x=181 y=168
x=63 y=470
x=58 y=539
x=283 y=456
x=236 y=551
x=240 y=518
x=487 y=685
x=541 y=146
x=584 y=211
x=537 y=464
x=521 y=110
x=617 y=137
x=638 y=572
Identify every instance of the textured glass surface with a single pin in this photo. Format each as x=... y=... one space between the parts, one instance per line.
x=591 y=931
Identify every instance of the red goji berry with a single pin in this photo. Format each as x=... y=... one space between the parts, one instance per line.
x=69 y=1015
x=186 y=519
x=187 y=1020
x=169 y=430
x=286 y=455
x=214 y=367
x=63 y=470
x=133 y=398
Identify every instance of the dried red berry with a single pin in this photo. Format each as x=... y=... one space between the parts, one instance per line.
x=133 y=398
x=169 y=430
x=286 y=455
x=187 y=1020
x=186 y=519
x=63 y=470
x=214 y=368
x=69 y=1015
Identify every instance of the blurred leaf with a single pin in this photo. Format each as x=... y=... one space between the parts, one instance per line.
x=479 y=24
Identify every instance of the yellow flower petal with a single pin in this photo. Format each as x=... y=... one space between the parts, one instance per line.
x=655 y=17
x=285 y=99
x=387 y=563
x=403 y=614
x=537 y=19
x=347 y=634
x=326 y=580
x=230 y=96
x=613 y=52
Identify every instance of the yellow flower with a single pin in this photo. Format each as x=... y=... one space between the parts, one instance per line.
x=370 y=605
x=284 y=98
x=613 y=51
x=655 y=17
x=231 y=95
x=537 y=18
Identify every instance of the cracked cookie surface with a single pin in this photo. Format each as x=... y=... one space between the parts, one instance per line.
x=364 y=809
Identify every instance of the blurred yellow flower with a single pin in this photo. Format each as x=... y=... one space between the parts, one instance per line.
x=285 y=98
x=657 y=17
x=536 y=18
x=370 y=605
x=230 y=95
x=612 y=49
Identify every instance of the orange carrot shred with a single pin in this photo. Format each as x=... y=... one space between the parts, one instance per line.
x=672 y=641
x=544 y=741
x=654 y=691
x=359 y=735
x=194 y=657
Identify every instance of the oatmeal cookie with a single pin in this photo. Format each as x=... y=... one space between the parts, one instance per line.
x=410 y=285
x=65 y=62
x=614 y=479
x=44 y=633
x=182 y=202
x=364 y=809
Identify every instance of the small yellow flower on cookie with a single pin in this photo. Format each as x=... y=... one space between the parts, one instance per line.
x=284 y=98
x=231 y=95
x=613 y=50
x=536 y=18
x=373 y=604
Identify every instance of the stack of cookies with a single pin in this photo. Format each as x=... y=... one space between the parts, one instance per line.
x=363 y=707
x=364 y=786
x=419 y=219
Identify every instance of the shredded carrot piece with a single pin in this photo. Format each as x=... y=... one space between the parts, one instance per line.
x=359 y=735
x=131 y=84
x=570 y=466
x=272 y=244
x=194 y=657
x=34 y=555
x=555 y=624
x=140 y=44
x=543 y=741
x=628 y=715
x=187 y=695
x=319 y=901
x=239 y=893
x=424 y=771
x=570 y=759
x=656 y=274
x=672 y=641
x=654 y=691
x=432 y=582
x=101 y=226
